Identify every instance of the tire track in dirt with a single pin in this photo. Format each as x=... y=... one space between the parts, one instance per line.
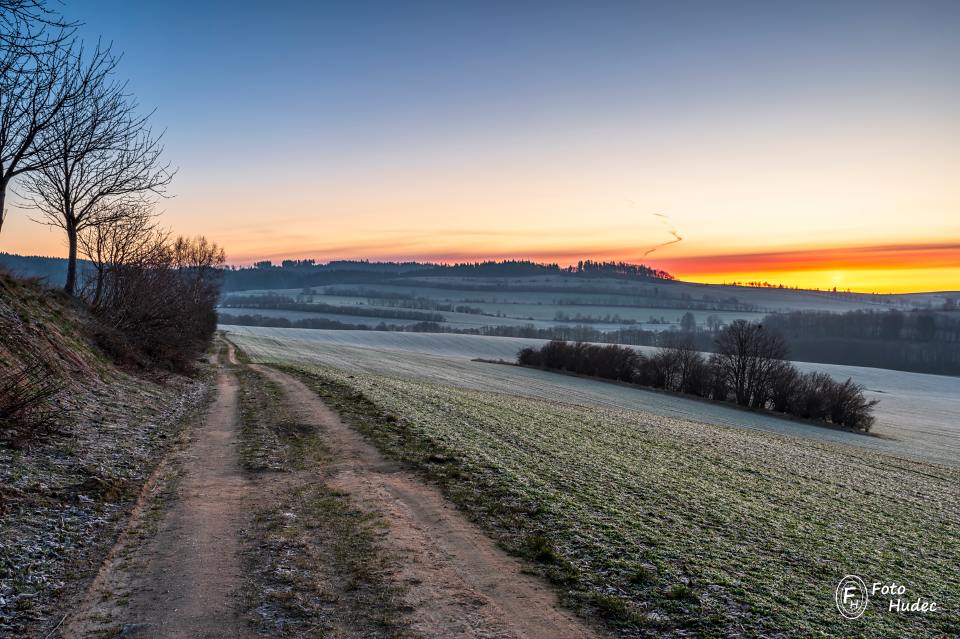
x=459 y=584
x=190 y=571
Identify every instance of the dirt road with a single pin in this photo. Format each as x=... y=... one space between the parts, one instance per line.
x=459 y=584
x=184 y=581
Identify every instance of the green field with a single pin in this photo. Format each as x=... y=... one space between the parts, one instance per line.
x=663 y=526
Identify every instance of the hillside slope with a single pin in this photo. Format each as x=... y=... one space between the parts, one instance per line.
x=65 y=490
x=37 y=321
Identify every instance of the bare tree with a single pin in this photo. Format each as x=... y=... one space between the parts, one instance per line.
x=714 y=323
x=32 y=97
x=198 y=255
x=679 y=365
x=104 y=163
x=746 y=357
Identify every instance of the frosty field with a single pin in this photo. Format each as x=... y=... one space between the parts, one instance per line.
x=452 y=320
x=663 y=526
x=918 y=415
x=538 y=300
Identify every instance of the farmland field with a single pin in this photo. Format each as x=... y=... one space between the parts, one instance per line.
x=660 y=524
x=918 y=415
x=300 y=315
x=504 y=314
x=452 y=320
x=568 y=289
x=606 y=304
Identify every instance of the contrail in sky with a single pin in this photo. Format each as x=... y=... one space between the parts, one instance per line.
x=665 y=220
x=673 y=231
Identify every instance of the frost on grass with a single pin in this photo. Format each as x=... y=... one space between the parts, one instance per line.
x=918 y=415
x=63 y=499
x=664 y=526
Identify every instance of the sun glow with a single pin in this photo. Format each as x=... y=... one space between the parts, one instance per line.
x=857 y=280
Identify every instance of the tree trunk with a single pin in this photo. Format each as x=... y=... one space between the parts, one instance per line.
x=71 y=285
x=3 y=203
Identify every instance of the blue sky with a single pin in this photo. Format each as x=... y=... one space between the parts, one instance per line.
x=327 y=128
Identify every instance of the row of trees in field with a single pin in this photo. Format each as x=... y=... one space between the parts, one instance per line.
x=747 y=367
x=80 y=154
x=925 y=341
x=926 y=325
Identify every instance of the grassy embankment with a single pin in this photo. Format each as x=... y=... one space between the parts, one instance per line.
x=65 y=491
x=668 y=527
x=313 y=562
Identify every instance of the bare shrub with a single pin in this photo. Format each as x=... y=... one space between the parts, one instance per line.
x=717 y=387
x=529 y=356
x=813 y=392
x=155 y=297
x=660 y=369
x=680 y=366
x=609 y=362
x=849 y=407
x=27 y=401
x=784 y=386
x=698 y=376
x=555 y=354
x=750 y=371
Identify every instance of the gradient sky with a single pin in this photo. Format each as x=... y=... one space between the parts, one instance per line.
x=806 y=143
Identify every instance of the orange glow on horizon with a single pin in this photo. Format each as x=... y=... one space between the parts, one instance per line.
x=877 y=269
x=855 y=280
x=898 y=268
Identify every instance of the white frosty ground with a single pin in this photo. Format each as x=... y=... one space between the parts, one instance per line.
x=918 y=415
x=452 y=320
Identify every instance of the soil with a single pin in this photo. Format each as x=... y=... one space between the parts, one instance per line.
x=184 y=577
x=185 y=581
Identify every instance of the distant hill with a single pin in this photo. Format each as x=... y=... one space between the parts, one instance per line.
x=49 y=268
x=588 y=276
x=307 y=273
x=643 y=285
x=53 y=270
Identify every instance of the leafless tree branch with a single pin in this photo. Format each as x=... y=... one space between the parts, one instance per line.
x=101 y=160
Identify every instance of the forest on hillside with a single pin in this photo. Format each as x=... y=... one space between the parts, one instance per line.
x=304 y=273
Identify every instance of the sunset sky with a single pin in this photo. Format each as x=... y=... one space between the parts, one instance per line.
x=803 y=143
